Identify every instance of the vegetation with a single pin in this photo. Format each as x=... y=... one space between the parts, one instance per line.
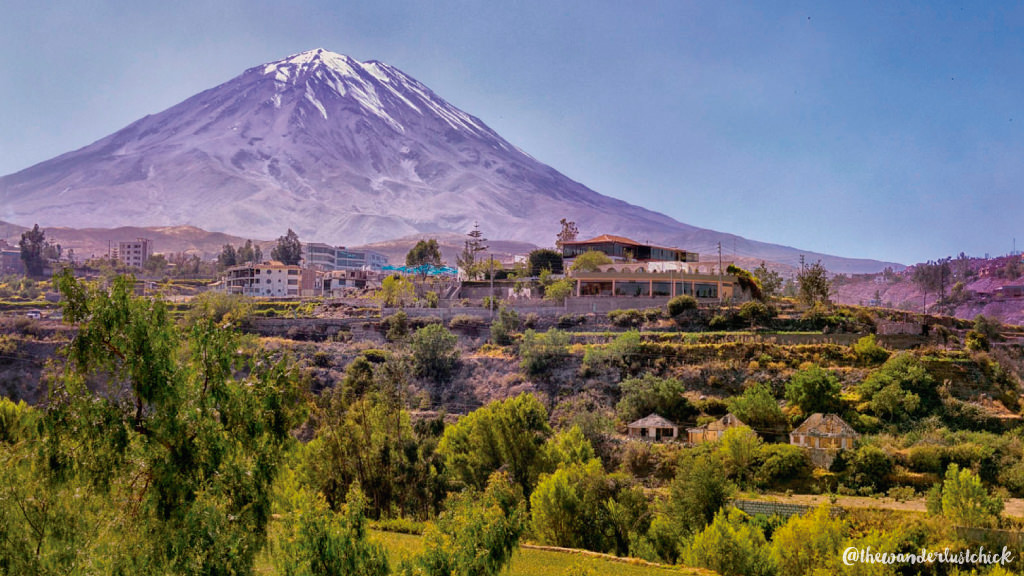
x=681 y=304
x=590 y=261
x=538 y=353
x=814 y=286
x=568 y=233
x=288 y=250
x=396 y=291
x=424 y=252
x=434 y=352
x=814 y=390
x=544 y=259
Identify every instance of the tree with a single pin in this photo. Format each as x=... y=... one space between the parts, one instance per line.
x=731 y=546
x=543 y=259
x=758 y=408
x=249 y=253
x=155 y=264
x=900 y=389
x=746 y=281
x=771 y=281
x=814 y=390
x=395 y=291
x=813 y=284
x=288 y=249
x=559 y=290
x=699 y=490
x=434 y=352
x=649 y=393
x=932 y=277
x=590 y=261
x=475 y=244
x=808 y=543
x=32 y=244
x=228 y=257
x=168 y=465
x=739 y=448
x=538 y=353
x=504 y=435
x=568 y=233
x=965 y=502
x=680 y=304
x=423 y=253
x=504 y=326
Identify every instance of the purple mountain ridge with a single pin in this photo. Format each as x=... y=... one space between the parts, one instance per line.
x=341 y=151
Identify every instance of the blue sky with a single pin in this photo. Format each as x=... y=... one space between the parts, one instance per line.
x=868 y=129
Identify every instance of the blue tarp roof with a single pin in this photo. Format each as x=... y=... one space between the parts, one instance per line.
x=425 y=269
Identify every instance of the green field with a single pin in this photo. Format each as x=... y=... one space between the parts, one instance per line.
x=530 y=562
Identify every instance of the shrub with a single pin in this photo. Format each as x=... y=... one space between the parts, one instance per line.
x=626 y=318
x=530 y=321
x=870 y=467
x=649 y=393
x=538 y=353
x=814 y=390
x=758 y=408
x=396 y=327
x=504 y=325
x=432 y=299
x=570 y=320
x=731 y=546
x=869 y=352
x=434 y=353
x=757 y=312
x=680 y=304
x=465 y=322
x=781 y=463
x=321 y=359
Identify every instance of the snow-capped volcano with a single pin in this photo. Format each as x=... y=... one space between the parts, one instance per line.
x=341 y=151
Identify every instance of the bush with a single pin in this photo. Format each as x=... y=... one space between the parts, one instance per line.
x=680 y=304
x=434 y=352
x=814 y=390
x=869 y=468
x=321 y=359
x=466 y=322
x=649 y=393
x=531 y=320
x=781 y=463
x=432 y=299
x=570 y=320
x=504 y=325
x=538 y=353
x=396 y=326
x=626 y=318
x=757 y=312
x=869 y=352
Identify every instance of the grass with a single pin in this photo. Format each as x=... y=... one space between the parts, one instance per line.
x=533 y=562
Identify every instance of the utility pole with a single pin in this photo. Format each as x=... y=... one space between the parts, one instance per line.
x=719 y=273
x=491 y=304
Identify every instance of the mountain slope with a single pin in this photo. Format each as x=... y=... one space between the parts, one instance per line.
x=342 y=151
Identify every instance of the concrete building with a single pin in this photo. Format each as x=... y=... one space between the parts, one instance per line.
x=619 y=248
x=268 y=279
x=10 y=259
x=327 y=258
x=135 y=253
x=656 y=279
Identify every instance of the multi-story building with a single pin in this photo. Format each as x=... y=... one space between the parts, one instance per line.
x=326 y=257
x=10 y=259
x=269 y=279
x=621 y=249
x=134 y=253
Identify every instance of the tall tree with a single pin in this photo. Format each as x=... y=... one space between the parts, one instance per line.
x=288 y=250
x=228 y=257
x=568 y=233
x=32 y=244
x=475 y=244
x=250 y=253
x=814 y=285
x=543 y=259
x=424 y=252
x=771 y=281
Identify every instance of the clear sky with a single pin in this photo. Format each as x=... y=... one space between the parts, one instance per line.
x=867 y=129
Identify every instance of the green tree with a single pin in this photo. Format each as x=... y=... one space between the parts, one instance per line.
x=699 y=490
x=568 y=447
x=155 y=264
x=288 y=249
x=746 y=281
x=808 y=543
x=580 y=506
x=508 y=434
x=966 y=502
x=590 y=261
x=814 y=390
x=813 y=284
x=758 y=408
x=771 y=281
x=869 y=467
x=757 y=312
x=900 y=389
x=32 y=244
x=395 y=291
x=424 y=252
x=228 y=257
x=731 y=546
x=539 y=352
x=168 y=466
x=474 y=244
x=869 y=352
x=504 y=326
x=739 y=449
x=559 y=290
x=434 y=352
x=476 y=535
x=649 y=393
x=249 y=253
x=544 y=259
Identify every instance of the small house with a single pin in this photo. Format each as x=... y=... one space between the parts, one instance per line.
x=712 y=431
x=653 y=427
x=824 y=435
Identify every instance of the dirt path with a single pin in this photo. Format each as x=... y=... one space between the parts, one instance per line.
x=1014 y=507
